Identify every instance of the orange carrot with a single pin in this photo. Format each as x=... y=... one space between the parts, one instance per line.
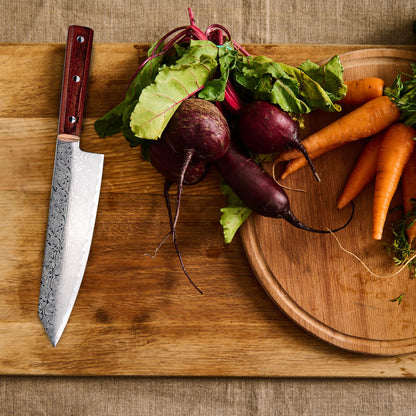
x=395 y=150
x=299 y=162
x=409 y=193
x=366 y=120
x=363 y=172
x=359 y=91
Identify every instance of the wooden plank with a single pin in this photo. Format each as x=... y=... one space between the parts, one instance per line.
x=136 y=314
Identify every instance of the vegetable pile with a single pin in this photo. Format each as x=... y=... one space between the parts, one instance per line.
x=200 y=99
x=387 y=118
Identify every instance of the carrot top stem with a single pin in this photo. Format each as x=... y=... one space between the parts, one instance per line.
x=401 y=249
x=403 y=94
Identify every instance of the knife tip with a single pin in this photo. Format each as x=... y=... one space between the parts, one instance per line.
x=53 y=330
x=54 y=338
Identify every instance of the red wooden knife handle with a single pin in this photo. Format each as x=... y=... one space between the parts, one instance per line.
x=75 y=78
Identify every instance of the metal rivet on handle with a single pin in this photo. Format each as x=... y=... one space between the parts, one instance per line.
x=72 y=119
x=80 y=39
x=76 y=78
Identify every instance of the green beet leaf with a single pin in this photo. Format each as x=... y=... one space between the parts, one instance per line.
x=114 y=121
x=172 y=85
x=311 y=92
x=296 y=90
x=329 y=76
x=214 y=89
x=234 y=215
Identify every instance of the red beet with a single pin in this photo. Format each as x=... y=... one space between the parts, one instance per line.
x=200 y=128
x=257 y=189
x=264 y=128
x=170 y=164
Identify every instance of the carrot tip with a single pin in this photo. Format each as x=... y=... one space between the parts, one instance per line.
x=377 y=236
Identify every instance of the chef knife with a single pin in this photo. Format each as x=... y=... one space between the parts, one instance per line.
x=74 y=195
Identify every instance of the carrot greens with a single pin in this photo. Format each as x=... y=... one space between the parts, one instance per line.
x=400 y=249
x=398 y=299
x=403 y=94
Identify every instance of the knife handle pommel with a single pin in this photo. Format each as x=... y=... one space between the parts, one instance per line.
x=75 y=78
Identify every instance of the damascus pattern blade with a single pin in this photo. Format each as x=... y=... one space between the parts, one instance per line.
x=72 y=212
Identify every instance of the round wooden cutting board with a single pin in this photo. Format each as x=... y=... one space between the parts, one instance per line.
x=318 y=285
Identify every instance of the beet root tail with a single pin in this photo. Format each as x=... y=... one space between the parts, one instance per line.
x=290 y=218
x=305 y=154
x=173 y=221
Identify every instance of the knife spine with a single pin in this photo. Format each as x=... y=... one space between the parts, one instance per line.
x=75 y=79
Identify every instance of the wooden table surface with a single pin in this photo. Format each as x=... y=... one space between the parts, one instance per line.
x=138 y=315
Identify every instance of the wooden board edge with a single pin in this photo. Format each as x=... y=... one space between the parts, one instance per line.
x=302 y=318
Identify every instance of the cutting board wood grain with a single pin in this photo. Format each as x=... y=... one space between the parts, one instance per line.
x=137 y=314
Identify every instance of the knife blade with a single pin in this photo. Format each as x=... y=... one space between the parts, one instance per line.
x=74 y=197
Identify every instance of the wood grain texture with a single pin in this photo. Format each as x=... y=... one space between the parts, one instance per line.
x=137 y=315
